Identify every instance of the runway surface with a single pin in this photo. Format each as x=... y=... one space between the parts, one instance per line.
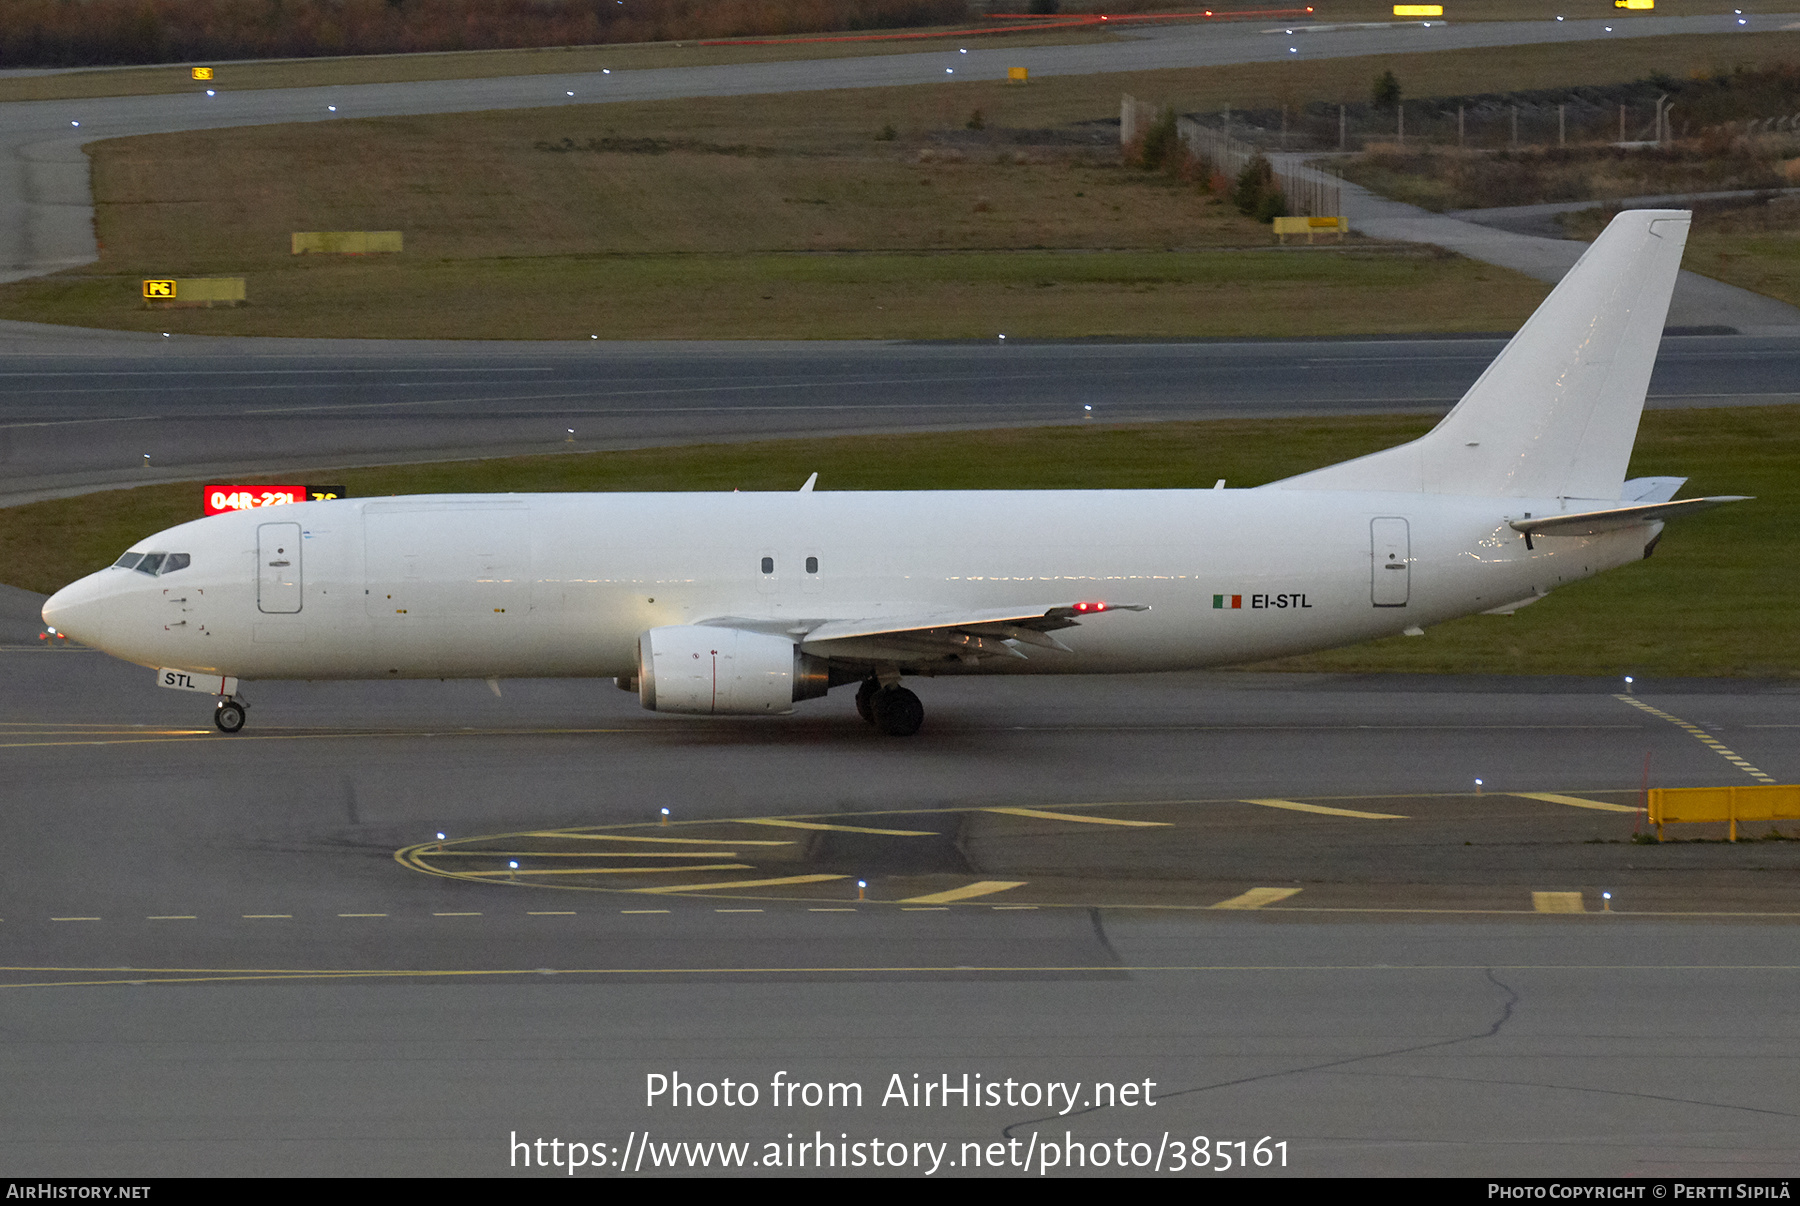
x=215 y=962
x=79 y=414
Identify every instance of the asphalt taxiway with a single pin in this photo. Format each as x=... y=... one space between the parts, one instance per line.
x=88 y=410
x=1308 y=925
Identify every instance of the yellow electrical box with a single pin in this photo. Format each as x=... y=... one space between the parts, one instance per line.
x=1017 y=75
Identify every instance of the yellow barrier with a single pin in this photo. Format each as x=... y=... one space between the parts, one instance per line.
x=1418 y=10
x=199 y=291
x=1309 y=227
x=1684 y=805
x=346 y=242
x=1017 y=75
x=1634 y=4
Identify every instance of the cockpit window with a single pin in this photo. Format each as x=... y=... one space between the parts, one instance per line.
x=154 y=564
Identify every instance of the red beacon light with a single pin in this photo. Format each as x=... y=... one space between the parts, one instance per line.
x=1090 y=607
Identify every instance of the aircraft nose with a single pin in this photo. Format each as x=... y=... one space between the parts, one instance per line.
x=76 y=611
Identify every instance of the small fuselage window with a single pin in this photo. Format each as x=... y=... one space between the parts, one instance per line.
x=768 y=565
x=154 y=564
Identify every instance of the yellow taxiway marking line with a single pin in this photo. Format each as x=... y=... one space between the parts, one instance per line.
x=1557 y=902
x=1550 y=797
x=839 y=828
x=1012 y=908
x=267 y=916
x=551 y=913
x=579 y=854
x=981 y=887
x=1296 y=806
x=362 y=914
x=1041 y=815
x=506 y=871
x=737 y=910
x=831 y=910
x=742 y=883
x=74 y=919
x=643 y=910
x=1256 y=898
x=173 y=917
x=456 y=914
x=1700 y=734
x=620 y=837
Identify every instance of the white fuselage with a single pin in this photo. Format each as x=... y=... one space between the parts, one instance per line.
x=538 y=585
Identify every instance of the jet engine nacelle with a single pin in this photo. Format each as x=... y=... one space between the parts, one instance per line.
x=725 y=671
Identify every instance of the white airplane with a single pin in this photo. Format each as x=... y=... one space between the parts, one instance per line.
x=747 y=603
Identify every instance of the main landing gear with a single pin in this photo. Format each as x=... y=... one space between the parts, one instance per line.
x=229 y=715
x=894 y=710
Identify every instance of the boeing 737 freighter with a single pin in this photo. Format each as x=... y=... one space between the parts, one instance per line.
x=745 y=604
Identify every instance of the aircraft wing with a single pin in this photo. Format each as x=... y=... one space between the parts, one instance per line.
x=997 y=631
x=962 y=633
x=1591 y=523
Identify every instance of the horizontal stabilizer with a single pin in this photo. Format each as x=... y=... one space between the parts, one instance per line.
x=1611 y=519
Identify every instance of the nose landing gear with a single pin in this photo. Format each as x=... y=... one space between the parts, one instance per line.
x=229 y=715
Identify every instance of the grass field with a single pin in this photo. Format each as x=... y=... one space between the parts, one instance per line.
x=1755 y=245
x=707 y=217
x=1717 y=599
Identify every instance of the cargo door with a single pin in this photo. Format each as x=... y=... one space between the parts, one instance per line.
x=278 y=568
x=1390 y=555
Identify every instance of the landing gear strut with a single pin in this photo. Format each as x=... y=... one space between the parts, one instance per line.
x=864 y=694
x=229 y=715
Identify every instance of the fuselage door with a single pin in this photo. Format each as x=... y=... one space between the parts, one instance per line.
x=1390 y=555
x=278 y=568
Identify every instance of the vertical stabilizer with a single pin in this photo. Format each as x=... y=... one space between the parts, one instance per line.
x=1556 y=413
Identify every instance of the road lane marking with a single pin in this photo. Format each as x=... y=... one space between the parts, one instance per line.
x=1256 y=898
x=362 y=914
x=742 y=883
x=643 y=910
x=267 y=916
x=981 y=887
x=508 y=872
x=1699 y=734
x=552 y=913
x=585 y=853
x=456 y=914
x=1041 y=815
x=621 y=837
x=1296 y=806
x=74 y=919
x=737 y=910
x=831 y=910
x=839 y=828
x=173 y=917
x=1557 y=902
x=1550 y=797
x=927 y=909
